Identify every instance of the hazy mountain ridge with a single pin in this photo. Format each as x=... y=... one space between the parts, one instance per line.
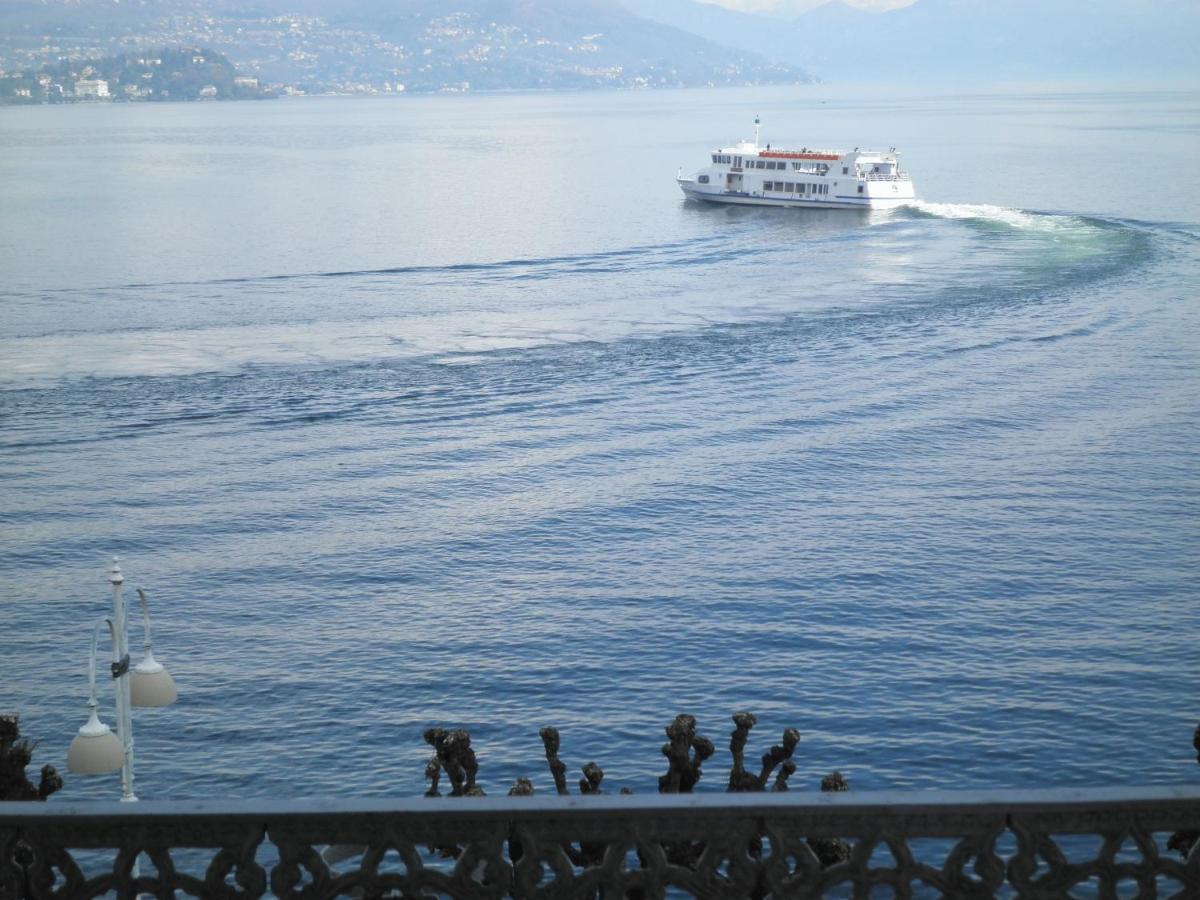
x=963 y=41
x=385 y=45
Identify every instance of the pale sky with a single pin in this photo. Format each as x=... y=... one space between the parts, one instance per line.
x=795 y=7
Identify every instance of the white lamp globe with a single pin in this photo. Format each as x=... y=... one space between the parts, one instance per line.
x=95 y=750
x=151 y=684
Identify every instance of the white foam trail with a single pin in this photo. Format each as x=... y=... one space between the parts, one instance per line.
x=986 y=211
x=477 y=323
x=43 y=361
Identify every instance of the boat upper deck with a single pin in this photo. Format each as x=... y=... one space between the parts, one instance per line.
x=872 y=164
x=827 y=155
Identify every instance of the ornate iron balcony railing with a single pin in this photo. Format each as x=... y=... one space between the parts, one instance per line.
x=1060 y=843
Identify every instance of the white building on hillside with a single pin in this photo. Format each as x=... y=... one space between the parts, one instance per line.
x=92 y=87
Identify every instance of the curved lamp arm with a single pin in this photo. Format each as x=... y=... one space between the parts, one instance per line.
x=95 y=749
x=92 y=668
x=152 y=684
x=145 y=620
x=112 y=634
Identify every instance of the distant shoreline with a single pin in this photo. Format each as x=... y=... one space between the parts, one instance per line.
x=837 y=91
x=274 y=93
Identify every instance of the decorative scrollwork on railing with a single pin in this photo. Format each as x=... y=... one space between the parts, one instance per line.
x=137 y=856
x=1129 y=857
x=741 y=845
x=392 y=859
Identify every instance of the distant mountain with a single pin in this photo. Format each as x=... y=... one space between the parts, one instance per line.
x=963 y=41
x=368 y=45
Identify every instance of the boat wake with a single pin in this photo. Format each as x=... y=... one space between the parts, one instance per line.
x=985 y=212
x=744 y=273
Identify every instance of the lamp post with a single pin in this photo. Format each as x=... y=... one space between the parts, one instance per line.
x=95 y=749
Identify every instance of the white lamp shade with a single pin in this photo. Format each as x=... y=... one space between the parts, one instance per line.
x=95 y=750
x=151 y=684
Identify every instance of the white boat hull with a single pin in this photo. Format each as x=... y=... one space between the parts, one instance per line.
x=743 y=198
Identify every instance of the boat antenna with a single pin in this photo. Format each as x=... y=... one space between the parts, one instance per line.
x=756 y=131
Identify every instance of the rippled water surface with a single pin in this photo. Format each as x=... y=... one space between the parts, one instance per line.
x=452 y=411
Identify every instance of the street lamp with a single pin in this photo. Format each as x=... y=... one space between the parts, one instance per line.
x=95 y=749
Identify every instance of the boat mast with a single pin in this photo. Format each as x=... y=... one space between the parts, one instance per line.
x=756 y=132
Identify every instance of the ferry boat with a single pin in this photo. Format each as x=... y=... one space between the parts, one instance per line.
x=827 y=179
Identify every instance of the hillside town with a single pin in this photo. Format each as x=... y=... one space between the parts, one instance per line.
x=164 y=74
x=48 y=55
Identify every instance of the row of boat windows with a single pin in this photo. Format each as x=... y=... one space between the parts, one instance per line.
x=819 y=169
x=798 y=187
x=751 y=163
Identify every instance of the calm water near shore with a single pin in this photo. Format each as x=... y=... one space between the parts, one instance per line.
x=451 y=411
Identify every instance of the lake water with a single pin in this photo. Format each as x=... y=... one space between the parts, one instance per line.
x=451 y=411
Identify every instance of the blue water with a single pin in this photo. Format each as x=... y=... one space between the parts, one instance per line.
x=451 y=411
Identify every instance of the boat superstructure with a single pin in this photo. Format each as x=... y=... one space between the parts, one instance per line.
x=830 y=179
